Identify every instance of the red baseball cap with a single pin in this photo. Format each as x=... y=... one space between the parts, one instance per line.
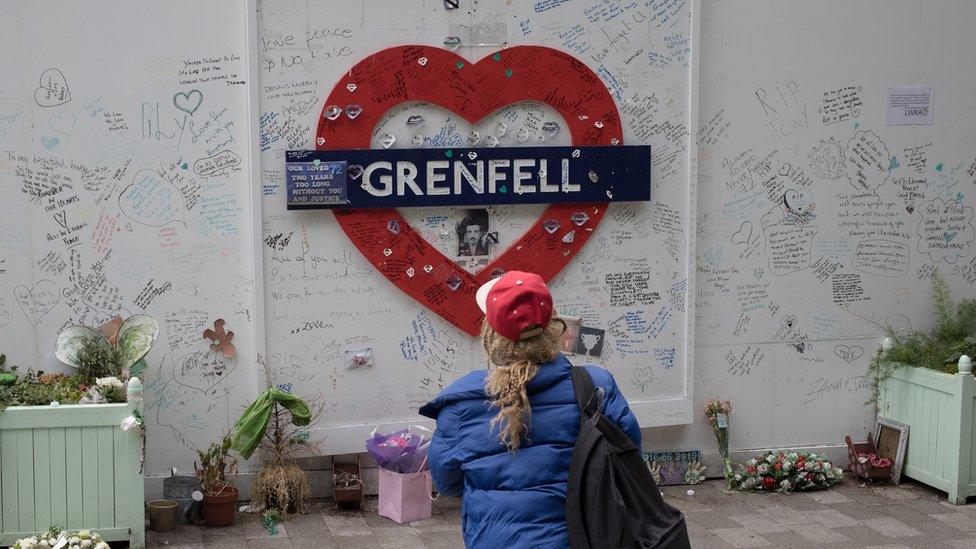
x=517 y=304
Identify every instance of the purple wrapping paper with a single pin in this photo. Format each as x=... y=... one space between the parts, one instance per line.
x=407 y=459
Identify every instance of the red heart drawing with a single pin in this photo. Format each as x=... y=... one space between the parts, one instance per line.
x=473 y=91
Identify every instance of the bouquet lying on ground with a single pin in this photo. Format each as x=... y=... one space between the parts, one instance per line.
x=403 y=452
x=78 y=540
x=787 y=470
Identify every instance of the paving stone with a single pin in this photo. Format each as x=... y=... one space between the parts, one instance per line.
x=828 y=497
x=832 y=518
x=857 y=511
x=441 y=539
x=390 y=538
x=257 y=530
x=702 y=537
x=436 y=523
x=890 y=527
x=711 y=520
x=860 y=536
x=786 y=515
x=740 y=537
x=347 y=523
x=759 y=524
x=960 y=521
x=967 y=543
x=818 y=533
x=302 y=526
x=447 y=502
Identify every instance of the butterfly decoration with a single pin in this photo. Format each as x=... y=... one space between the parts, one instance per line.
x=220 y=340
x=130 y=340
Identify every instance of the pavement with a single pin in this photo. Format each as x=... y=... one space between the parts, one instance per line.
x=850 y=515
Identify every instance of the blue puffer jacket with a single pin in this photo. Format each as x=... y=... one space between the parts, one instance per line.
x=514 y=500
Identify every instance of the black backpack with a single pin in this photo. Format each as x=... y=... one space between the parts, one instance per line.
x=612 y=499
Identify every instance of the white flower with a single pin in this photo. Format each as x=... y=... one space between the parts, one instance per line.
x=86 y=544
x=108 y=382
x=738 y=477
x=770 y=458
x=762 y=469
x=785 y=485
x=74 y=540
x=787 y=465
x=827 y=466
x=808 y=466
x=751 y=463
x=130 y=422
x=749 y=483
x=101 y=545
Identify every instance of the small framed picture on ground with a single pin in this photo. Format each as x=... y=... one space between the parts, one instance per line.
x=892 y=437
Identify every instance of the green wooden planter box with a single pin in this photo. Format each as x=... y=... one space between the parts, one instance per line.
x=72 y=466
x=939 y=410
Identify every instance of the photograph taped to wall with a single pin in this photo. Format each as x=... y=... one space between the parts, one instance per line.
x=472 y=232
x=569 y=342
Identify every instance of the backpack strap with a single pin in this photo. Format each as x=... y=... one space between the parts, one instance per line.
x=586 y=397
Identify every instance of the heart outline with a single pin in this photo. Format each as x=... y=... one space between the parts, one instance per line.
x=52 y=95
x=473 y=92
x=848 y=353
x=181 y=97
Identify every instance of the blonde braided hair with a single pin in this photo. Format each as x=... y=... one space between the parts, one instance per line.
x=513 y=365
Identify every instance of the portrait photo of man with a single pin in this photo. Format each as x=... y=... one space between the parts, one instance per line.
x=472 y=233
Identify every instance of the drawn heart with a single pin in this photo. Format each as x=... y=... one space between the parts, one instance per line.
x=788 y=322
x=203 y=371
x=473 y=91
x=63 y=123
x=848 y=354
x=949 y=236
x=188 y=102
x=744 y=234
x=49 y=142
x=53 y=89
x=893 y=164
x=37 y=301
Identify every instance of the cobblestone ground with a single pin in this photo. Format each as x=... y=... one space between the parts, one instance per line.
x=848 y=516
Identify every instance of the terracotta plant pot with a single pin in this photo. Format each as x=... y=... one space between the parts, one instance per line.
x=218 y=509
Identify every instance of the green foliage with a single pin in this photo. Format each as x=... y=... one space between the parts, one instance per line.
x=42 y=389
x=95 y=361
x=214 y=464
x=954 y=335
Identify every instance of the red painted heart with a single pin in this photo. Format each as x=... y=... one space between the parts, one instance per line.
x=473 y=91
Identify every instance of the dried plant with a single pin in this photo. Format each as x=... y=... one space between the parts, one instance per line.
x=282 y=484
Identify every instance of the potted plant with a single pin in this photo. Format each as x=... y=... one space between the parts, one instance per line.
x=61 y=411
x=219 y=495
x=925 y=380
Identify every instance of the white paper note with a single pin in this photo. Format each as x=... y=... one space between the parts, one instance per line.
x=910 y=105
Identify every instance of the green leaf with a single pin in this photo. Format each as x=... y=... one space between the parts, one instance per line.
x=138 y=367
x=73 y=339
x=136 y=337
